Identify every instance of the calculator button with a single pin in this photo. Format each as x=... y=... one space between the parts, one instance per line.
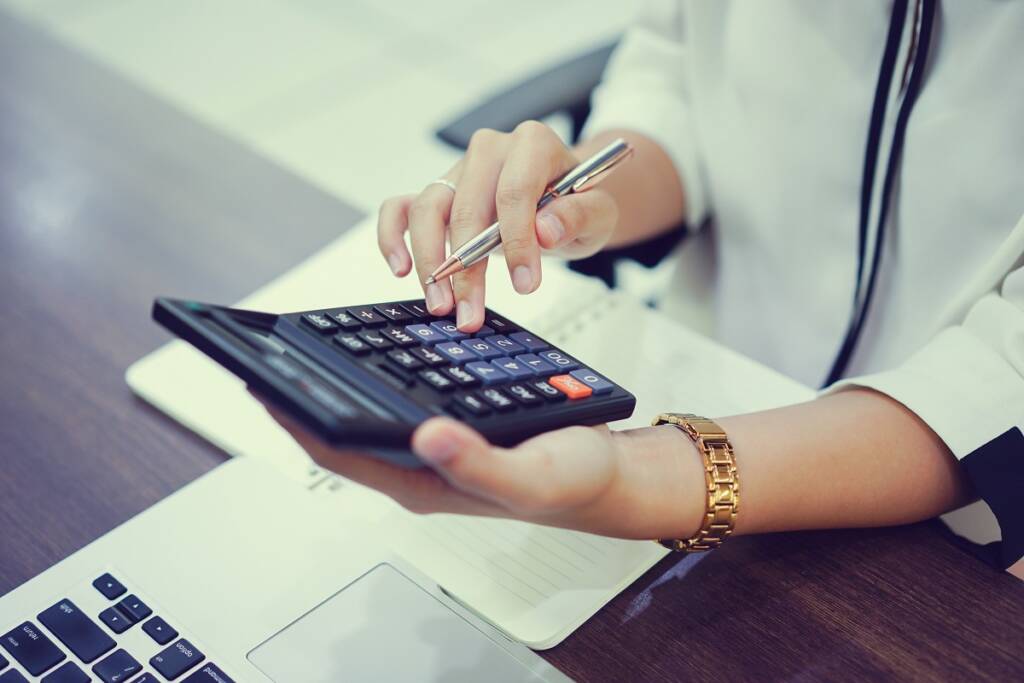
x=416 y=309
x=367 y=316
x=134 y=608
x=437 y=380
x=375 y=339
x=507 y=346
x=176 y=659
x=352 y=344
x=76 y=630
x=525 y=395
x=497 y=399
x=31 y=648
x=472 y=405
x=498 y=324
x=319 y=322
x=115 y=620
x=449 y=330
x=513 y=368
x=345 y=320
x=593 y=380
x=529 y=342
x=482 y=349
x=394 y=373
x=547 y=391
x=559 y=360
x=118 y=667
x=428 y=355
x=68 y=672
x=536 y=364
x=404 y=359
x=484 y=331
x=487 y=373
x=455 y=353
x=570 y=386
x=400 y=336
x=425 y=333
x=109 y=586
x=159 y=630
x=462 y=377
x=393 y=312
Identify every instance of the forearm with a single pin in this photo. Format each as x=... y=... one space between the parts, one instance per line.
x=853 y=459
x=647 y=190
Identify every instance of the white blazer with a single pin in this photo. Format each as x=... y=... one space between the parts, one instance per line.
x=765 y=109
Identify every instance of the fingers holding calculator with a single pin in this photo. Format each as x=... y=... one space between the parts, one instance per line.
x=502 y=177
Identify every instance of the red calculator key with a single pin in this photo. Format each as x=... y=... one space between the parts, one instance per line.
x=570 y=386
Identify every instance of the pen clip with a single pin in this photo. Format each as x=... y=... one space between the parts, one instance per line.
x=597 y=173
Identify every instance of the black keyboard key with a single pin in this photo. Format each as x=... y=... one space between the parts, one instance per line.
x=118 y=667
x=367 y=316
x=498 y=399
x=428 y=355
x=146 y=678
x=115 y=620
x=525 y=395
x=437 y=380
x=3 y=662
x=463 y=378
x=76 y=630
x=345 y=320
x=110 y=587
x=400 y=377
x=31 y=648
x=352 y=344
x=210 y=673
x=12 y=676
x=66 y=673
x=498 y=324
x=375 y=339
x=472 y=405
x=393 y=312
x=319 y=322
x=176 y=659
x=400 y=337
x=404 y=359
x=417 y=309
x=134 y=608
x=547 y=391
x=159 y=630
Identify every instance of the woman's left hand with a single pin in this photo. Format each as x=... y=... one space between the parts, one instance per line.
x=633 y=484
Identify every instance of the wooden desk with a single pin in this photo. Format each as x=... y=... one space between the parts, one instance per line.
x=109 y=197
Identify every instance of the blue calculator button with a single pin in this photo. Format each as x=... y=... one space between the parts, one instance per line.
x=448 y=329
x=484 y=331
x=593 y=380
x=529 y=342
x=455 y=353
x=559 y=360
x=513 y=368
x=425 y=333
x=487 y=373
x=507 y=346
x=536 y=364
x=482 y=349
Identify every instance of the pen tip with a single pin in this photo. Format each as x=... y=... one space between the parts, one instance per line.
x=430 y=280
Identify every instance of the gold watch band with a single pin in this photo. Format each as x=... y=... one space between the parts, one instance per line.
x=722 y=486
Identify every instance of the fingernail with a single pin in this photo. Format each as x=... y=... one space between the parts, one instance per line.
x=463 y=314
x=438 y=450
x=395 y=262
x=522 y=279
x=552 y=227
x=435 y=297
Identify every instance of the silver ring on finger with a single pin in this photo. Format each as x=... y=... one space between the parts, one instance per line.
x=443 y=181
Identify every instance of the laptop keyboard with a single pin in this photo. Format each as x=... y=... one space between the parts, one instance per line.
x=90 y=647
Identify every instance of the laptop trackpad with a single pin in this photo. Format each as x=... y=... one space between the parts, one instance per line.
x=384 y=627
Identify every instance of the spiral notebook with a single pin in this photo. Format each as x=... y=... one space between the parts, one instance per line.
x=535 y=583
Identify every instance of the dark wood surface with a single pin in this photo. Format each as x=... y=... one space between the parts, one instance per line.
x=108 y=197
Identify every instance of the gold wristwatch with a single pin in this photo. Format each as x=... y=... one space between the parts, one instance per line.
x=720 y=482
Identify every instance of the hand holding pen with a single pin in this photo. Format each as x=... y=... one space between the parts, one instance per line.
x=520 y=178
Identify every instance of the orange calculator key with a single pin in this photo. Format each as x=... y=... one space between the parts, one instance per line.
x=570 y=386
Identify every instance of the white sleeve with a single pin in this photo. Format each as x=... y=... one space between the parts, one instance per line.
x=644 y=89
x=967 y=384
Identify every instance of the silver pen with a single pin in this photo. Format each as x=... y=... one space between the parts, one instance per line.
x=583 y=177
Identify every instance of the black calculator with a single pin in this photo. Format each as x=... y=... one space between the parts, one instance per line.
x=366 y=376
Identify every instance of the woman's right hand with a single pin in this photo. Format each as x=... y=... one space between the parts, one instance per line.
x=502 y=176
